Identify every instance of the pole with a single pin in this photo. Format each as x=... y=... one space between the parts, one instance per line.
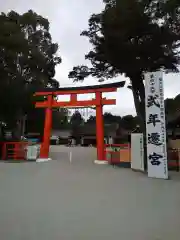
x=44 y=151
x=24 y=125
x=99 y=128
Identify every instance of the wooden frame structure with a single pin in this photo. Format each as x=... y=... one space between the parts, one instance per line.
x=98 y=102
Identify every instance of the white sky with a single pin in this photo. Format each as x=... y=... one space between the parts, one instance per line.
x=68 y=18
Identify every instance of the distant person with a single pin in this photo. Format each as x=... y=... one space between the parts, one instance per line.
x=73 y=143
x=82 y=141
x=57 y=141
x=69 y=142
x=110 y=140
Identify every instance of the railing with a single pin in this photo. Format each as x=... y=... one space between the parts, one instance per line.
x=174 y=159
x=121 y=154
x=14 y=150
x=118 y=153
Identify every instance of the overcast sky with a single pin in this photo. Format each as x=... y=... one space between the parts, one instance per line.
x=68 y=18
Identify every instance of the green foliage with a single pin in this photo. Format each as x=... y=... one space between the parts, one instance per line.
x=60 y=118
x=132 y=37
x=76 y=122
x=91 y=119
x=172 y=107
x=35 y=121
x=36 y=118
x=27 y=62
x=110 y=118
x=76 y=119
x=129 y=122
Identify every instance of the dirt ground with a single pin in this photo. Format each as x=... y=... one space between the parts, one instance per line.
x=59 y=200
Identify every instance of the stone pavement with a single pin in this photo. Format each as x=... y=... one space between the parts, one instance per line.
x=59 y=200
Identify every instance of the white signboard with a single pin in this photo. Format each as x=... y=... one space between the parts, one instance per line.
x=137 y=151
x=156 y=126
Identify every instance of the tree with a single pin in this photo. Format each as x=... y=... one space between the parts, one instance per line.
x=76 y=121
x=27 y=62
x=91 y=119
x=132 y=37
x=60 y=118
x=172 y=107
x=129 y=122
x=35 y=121
x=36 y=117
x=110 y=118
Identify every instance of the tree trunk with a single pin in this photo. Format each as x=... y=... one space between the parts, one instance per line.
x=143 y=113
x=139 y=100
x=138 y=90
x=17 y=131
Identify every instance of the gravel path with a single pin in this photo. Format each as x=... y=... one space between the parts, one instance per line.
x=59 y=200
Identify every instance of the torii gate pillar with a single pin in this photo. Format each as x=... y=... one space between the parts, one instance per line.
x=44 y=150
x=100 y=130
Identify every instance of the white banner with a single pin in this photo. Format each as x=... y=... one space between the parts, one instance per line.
x=137 y=151
x=156 y=126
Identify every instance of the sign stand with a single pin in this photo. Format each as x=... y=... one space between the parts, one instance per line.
x=155 y=126
x=137 y=152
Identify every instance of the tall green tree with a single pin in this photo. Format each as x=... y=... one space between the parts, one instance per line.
x=60 y=118
x=172 y=107
x=129 y=122
x=91 y=119
x=76 y=119
x=110 y=118
x=76 y=122
x=132 y=37
x=27 y=62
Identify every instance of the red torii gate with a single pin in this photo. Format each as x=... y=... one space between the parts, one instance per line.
x=98 y=102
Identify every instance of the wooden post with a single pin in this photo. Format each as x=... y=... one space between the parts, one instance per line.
x=99 y=128
x=44 y=151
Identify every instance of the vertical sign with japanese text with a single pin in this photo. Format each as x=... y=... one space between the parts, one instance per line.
x=137 y=151
x=155 y=126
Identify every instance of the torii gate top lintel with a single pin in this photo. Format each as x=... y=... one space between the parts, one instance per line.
x=111 y=87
